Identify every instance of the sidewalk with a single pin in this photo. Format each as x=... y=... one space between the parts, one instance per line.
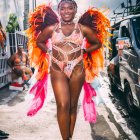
x=44 y=125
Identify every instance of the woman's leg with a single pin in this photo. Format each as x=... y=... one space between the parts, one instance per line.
x=76 y=83
x=28 y=71
x=61 y=91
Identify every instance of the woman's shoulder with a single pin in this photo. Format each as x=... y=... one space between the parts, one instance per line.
x=48 y=31
x=50 y=28
x=84 y=28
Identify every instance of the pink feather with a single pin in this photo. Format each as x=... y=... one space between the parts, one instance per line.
x=88 y=104
x=39 y=90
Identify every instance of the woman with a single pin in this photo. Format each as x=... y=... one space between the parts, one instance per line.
x=65 y=70
x=67 y=65
x=19 y=64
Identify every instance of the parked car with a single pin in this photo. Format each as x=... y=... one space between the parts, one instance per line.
x=126 y=47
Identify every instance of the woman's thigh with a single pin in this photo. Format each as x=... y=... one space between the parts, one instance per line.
x=76 y=82
x=27 y=70
x=60 y=87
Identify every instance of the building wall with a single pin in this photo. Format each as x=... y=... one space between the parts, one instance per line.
x=4 y=6
x=11 y=6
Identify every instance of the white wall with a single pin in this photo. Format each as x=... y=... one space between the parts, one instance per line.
x=7 y=7
x=3 y=12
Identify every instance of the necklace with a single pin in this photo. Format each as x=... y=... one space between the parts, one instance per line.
x=67 y=23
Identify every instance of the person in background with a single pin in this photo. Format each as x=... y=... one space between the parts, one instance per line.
x=19 y=63
x=2 y=39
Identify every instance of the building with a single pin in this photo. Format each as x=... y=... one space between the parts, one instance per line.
x=11 y=6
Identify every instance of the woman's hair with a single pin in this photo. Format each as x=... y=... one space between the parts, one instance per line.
x=71 y=1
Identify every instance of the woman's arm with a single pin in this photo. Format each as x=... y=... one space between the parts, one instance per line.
x=43 y=37
x=10 y=61
x=27 y=60
x=92 y=39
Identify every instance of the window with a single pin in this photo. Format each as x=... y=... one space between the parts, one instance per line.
x=125 y=32
x=136 y=27
x=115 y=33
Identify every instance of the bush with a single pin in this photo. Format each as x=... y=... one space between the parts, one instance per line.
x=12 y=25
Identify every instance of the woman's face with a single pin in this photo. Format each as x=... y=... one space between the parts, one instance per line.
x=20 y=50
x=67 y=11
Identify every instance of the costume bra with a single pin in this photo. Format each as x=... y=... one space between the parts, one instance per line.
x=74 y=41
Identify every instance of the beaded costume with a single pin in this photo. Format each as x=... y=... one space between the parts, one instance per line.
x=74 y=42
x=44 y=16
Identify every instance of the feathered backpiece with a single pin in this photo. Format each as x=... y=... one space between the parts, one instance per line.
x=42 y=17
x=99 y=23
x=2 y=37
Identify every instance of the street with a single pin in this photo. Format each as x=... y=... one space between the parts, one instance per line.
x=113 y=25
x=110 y=124
x=44 y=126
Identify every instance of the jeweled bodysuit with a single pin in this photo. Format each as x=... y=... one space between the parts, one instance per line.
x=66 y=50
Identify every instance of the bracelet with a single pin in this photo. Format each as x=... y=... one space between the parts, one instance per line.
x=84 y=51
x=49 y=51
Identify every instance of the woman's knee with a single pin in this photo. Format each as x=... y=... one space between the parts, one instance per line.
x=73 y=109
x=63 y=107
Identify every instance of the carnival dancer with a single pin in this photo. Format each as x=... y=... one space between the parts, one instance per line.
x=72 y=65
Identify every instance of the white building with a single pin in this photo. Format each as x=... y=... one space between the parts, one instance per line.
x=11 y=6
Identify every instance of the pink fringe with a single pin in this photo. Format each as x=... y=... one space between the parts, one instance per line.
x=39 y=90
x=88 y=104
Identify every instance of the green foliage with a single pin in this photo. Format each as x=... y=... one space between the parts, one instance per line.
x=12 y=23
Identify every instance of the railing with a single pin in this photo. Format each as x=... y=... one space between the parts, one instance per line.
x=13 y=39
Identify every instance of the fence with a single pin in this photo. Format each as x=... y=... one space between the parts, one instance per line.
x=13 y=39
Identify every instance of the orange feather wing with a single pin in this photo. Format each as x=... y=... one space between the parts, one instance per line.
x=99 y=23
x=42 y=17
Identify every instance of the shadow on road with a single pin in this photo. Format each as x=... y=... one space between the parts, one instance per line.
x=101 y=130
x=132 y=121
x=10 y=97
x=17 y=99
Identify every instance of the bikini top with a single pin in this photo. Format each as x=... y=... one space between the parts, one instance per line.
x=75 y=37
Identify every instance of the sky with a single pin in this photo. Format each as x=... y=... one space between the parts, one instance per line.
x=84 y=4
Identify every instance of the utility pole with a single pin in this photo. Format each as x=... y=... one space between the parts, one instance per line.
x=127 y=7
x=26 y=13
x=5 y=12
x=33 y=4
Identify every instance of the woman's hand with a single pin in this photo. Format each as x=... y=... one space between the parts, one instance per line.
x=92 y=39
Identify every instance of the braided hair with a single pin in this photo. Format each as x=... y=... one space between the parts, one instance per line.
x=71 y=1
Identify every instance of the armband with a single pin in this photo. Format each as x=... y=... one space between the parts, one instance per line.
x=49 y=51
x=84 y=51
